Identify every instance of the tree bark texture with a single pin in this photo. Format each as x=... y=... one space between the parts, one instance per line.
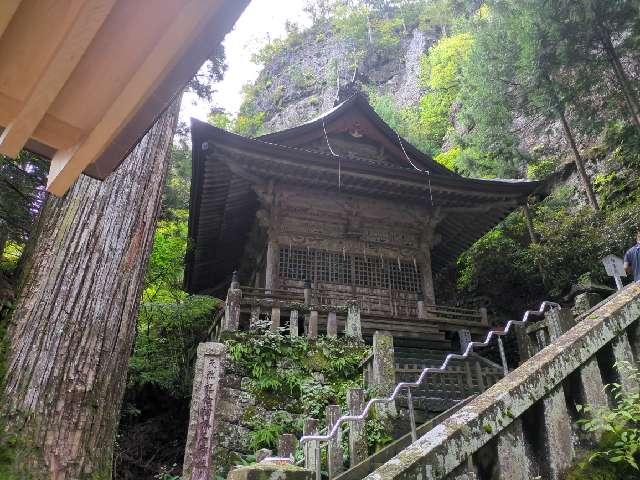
x=586 y=182
x=74 y=324
x=630 y=96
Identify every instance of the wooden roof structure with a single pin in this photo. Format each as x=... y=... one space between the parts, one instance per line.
x=225 y=165
x=83 y=80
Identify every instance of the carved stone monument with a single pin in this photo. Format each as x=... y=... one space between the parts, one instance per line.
x=209 y=369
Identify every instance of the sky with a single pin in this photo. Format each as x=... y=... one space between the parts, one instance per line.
x=262 y=19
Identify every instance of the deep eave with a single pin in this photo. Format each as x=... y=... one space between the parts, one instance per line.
x=81 y=82
x=223 y=203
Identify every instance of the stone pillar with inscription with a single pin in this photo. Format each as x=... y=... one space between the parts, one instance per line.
x=353 y=326
x=209 y=370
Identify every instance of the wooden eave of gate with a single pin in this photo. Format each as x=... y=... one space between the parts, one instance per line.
x=83 y=80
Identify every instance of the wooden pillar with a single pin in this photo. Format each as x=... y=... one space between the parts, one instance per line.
x=357 y=438
x=271 y=272
x=307 y=292
x=334 y=452
x=427 y=277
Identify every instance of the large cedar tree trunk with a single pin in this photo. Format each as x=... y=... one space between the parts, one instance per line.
x=74 y=324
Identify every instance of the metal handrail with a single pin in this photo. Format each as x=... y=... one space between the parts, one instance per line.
x=408 y=385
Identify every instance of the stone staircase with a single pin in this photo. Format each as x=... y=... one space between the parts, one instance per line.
x=442 y=392
x=388 y=452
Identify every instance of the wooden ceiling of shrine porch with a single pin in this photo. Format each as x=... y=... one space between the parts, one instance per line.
x=224 y=205
x=83 y=80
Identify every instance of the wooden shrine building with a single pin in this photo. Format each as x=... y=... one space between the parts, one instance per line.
x=344 y=203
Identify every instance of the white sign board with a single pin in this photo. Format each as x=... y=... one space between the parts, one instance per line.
x=614 y=266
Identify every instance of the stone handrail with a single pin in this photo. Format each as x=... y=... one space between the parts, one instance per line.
x=429 y=370
x=530 y=405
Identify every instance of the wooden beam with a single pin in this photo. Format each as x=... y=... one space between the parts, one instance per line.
x=51 y=130
x=81 y=31
x=7 y=9
x=67 y=165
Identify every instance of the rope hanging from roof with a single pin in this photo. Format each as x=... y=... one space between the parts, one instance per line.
x=334 y=154
x=418 y=169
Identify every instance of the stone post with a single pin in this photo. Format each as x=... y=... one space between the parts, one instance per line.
x=353 y=327
x=622 y=354
x=559 y=321
x=286 y=445
x=254 y=317
x=209 y=369
x=334 y=452
x=585 y=302
x=464 y=336
x=332 y=325
x=559 y=451
x=313 y=324
x=293 y=323
x=384 y=371
x=357 y=439
x=271 y=271
x=275 y=318
x=484 y=316
x=311 y=459
x=262 y=454
x=232 y=306
x=307 y=292
x=513 y=461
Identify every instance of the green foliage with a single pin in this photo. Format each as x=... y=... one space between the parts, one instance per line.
x=449 y=158
x=377 y=433
x=10 y=257
x=167 y=337
x=165 y=270
x=542 y=168
x=266 y=432
x=441 y=75
x=499 y=262
x=294 y=373
x=618 y=452
x=405 y=121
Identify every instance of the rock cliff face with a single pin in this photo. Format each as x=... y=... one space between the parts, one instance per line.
x=302 y=80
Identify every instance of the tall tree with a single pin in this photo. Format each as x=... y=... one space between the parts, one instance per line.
x=517 y=62
x=72 y=330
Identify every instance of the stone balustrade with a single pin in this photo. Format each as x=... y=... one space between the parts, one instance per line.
x=275 y=306
x=523 y=425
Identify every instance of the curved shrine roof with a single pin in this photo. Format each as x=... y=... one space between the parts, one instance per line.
x=226 y=165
